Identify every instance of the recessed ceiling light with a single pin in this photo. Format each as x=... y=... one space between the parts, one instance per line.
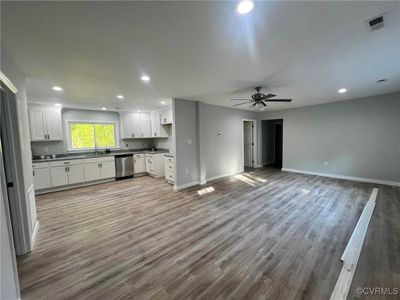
x=342 y=91
x=104 y=108
x=163 y=102
x=120 y=96
x=58 y=104
x=145 y=78
x=245 y=7
x=139 y=111
x=57 y=88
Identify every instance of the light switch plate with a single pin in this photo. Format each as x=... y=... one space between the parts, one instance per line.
x=189 y=141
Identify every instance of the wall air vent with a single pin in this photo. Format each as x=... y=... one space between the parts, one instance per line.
x=375 y=23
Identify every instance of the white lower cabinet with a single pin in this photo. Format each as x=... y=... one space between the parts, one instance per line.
x=155 y=164
x=139 y=163
x=99 y=168
x=169 y=164
x=108 y=169
x=66 y=172
x=41 y=176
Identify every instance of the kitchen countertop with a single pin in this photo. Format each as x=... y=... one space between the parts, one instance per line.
x=81 y=155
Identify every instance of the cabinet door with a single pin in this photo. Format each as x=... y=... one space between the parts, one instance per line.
x=139 y=165
x=75 y=174
x=166 y=117
x=92 y=171
x=155 y=124
x=41 y=178
x=136 y=126
x=59 y=176
x=37 y=126
x=126 y=125
x=147 y=162
x=107 y=169
x=146 y=128
x=53 y=124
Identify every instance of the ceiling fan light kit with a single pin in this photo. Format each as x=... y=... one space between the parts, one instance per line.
x=258 y=100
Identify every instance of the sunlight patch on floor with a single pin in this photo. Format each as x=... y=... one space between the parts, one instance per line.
x=206 y=190
x=245 y=179
x=256 y=178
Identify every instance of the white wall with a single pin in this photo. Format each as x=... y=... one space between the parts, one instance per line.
x=359 y=138
x=186 y=142
x=221 y=155
x=211 y=155
x=12 y=71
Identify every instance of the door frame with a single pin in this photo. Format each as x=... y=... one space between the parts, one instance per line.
x=255 y=145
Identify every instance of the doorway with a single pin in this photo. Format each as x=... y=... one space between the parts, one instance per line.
x=272 y=143
x=249 y=143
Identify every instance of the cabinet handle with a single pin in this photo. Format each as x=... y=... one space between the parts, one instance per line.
x=33 y=172
x=48 y=136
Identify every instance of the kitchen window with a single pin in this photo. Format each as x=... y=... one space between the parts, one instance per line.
x=88 y=136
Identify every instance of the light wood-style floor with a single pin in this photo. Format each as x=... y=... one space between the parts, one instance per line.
x=264 y=234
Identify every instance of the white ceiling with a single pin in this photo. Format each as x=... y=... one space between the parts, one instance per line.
x=201 y=51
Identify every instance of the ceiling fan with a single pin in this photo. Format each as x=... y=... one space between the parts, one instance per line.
x=258 y=100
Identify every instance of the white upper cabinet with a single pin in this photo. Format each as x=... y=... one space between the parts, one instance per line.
x=45 y=123
x=166 y=117
x=157 y=129
x=136 y=125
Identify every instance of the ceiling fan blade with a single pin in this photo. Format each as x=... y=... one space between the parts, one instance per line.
x=254 y=104
x=241 y=103
x=239 y=99
x=262 y=102
x=279 y=100
x=269 y=96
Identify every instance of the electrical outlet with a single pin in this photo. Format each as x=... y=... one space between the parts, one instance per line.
x=189 y=141
x=126 y=145
x=219 y=133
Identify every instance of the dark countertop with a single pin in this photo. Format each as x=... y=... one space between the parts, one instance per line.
x=82 y=155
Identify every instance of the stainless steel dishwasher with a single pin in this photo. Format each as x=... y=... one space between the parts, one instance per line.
x=124 y=166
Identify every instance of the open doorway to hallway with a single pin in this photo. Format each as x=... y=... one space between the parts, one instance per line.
x=272 y=143
x=249 y=143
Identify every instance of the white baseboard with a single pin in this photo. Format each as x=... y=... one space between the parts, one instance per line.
x=186 y=185
x=223 y=175
x=378 y=181
x=34 y=234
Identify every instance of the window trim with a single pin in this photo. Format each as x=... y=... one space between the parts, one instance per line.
x=69 y=140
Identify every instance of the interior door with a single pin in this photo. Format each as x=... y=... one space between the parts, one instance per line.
x=248 y=143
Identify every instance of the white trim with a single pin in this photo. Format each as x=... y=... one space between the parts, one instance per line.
x=8 y=82
x=72 y=186
x=353 y=250
x=34 y=234
x=370 y=180
x=68 y=133
x=223 y=175
x=186 y=185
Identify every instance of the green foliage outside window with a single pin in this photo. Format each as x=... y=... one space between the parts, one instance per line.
x=87 y=135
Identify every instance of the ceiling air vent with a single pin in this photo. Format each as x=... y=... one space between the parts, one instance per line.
x=375 y=23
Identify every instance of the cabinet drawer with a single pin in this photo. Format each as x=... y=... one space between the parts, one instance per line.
x=66 y=162
x=40 y=165
x=169 y=167
x=150 y=158
x=141 y=155
x=170 y=176
x=168 y=159
x=98 y=159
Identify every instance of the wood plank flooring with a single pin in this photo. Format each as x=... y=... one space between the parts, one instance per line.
x=263 y=234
